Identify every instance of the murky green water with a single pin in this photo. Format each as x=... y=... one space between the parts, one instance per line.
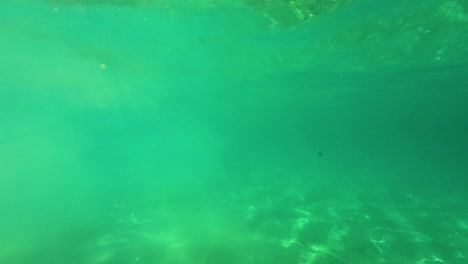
x=234 y=131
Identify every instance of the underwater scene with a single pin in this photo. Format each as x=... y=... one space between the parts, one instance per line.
x=234 y=132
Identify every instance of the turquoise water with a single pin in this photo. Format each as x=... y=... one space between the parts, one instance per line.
x=180 y=132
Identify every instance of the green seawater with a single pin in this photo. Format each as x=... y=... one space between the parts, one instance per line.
x=233 y=131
